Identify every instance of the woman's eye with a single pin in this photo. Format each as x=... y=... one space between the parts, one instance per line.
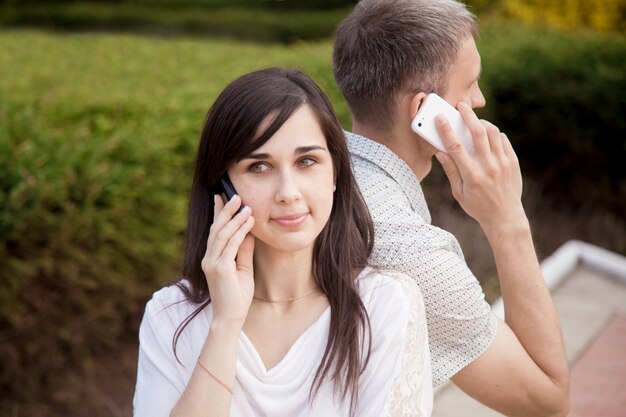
x=258 y=167
x=305 y=162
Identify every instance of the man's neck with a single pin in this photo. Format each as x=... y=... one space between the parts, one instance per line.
x=414 y=151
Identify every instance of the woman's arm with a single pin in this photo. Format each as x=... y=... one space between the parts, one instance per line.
x=398 y=377
x=412 y=389
x=227 y=265
x=208 y=392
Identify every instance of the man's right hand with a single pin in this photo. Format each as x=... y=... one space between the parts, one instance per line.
x=487 y=184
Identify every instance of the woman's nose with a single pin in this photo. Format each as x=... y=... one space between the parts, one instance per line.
x=287 y=190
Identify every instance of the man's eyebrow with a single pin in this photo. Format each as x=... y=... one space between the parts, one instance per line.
x=298 y=151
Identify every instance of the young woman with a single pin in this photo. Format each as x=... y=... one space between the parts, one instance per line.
x=278 y=314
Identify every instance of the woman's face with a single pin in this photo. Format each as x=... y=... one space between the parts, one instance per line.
x=288 y=183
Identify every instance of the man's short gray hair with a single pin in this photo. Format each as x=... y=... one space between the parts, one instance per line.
x=385 y=48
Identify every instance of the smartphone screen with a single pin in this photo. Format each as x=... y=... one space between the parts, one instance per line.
x=229 y=190
x=424 y=123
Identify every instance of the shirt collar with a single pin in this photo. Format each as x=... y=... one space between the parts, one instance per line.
x=378 y=154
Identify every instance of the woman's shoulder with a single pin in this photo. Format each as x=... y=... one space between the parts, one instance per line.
x=386 y=282
x=170 y=301
x=389 y=288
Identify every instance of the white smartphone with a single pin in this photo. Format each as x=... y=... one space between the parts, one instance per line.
x=424 y=123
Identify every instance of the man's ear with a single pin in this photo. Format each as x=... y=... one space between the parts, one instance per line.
x=416 y=102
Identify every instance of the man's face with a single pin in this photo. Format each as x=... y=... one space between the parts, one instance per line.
x=464 y=75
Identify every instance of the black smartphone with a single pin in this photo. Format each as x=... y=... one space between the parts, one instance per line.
x=229 y=190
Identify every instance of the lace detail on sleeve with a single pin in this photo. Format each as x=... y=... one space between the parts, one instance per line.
x=411 y=392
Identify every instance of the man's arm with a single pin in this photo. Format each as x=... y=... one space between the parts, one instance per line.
x=524 y=372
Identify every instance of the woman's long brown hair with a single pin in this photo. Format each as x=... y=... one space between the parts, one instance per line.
x=341 y=250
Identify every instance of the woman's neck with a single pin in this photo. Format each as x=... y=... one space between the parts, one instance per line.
x=282 y=275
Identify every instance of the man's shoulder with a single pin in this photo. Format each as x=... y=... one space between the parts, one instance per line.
x=385 y=180
x=363 y=149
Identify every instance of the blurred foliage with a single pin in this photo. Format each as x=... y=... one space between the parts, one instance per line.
x=82 y=204
x=308 y=4
x=97 y=137
x=253 y=4
x=560 y=98
x=481 y=6
x=238 y=21
x=600 y=15
x=278 y=20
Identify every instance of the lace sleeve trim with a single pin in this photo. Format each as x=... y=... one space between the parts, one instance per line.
x=413 y=377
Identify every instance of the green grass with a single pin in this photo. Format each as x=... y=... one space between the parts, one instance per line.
x=152 y=72
x=166 y=84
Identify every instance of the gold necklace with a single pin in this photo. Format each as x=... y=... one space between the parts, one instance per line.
x=286 y=300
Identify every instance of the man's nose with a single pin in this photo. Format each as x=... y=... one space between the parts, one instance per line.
x=478 y=100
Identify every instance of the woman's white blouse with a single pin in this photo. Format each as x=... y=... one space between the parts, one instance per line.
x=396 y=382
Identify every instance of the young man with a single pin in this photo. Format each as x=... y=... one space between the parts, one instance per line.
x=388 y=55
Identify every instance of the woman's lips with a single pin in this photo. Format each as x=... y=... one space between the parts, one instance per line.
x=290 y=220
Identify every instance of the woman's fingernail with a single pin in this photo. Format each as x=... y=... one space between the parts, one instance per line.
x=440 y=119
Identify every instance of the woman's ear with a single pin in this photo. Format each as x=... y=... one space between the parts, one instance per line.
x=416 y=102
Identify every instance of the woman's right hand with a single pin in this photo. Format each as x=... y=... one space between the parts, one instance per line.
x=227 y=263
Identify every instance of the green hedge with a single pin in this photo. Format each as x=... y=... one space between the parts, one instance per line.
x=560 y=98
x=268 y=24
x=89 y=221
